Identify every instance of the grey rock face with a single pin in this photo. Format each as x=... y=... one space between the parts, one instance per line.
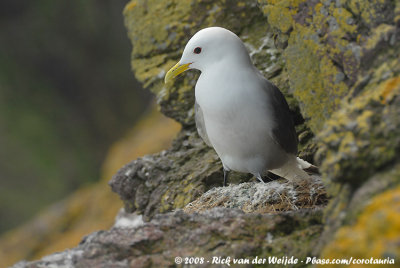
x=216 y=232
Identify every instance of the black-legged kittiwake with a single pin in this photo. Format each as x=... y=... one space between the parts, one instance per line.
x=239 y=113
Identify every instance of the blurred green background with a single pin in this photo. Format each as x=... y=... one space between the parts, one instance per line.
x=66 y=93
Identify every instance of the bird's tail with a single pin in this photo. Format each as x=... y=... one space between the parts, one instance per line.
x=296 y=169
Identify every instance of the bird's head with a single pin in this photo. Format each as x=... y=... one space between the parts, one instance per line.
x=208 y=47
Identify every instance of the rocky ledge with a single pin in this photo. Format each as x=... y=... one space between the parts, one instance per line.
x=215 y=232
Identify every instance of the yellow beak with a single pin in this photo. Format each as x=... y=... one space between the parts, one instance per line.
x=175 y=71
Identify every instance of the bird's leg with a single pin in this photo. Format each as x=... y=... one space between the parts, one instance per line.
x=226 y=175
x=258 y=176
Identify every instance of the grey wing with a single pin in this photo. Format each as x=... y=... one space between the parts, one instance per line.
x=284 y=132
x=201 y=127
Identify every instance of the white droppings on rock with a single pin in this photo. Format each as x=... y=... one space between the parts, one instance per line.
x=266 y=41
x=128 y=220
x=143 y=170
x=161 y=74
x=128 y=172
x=269 y=238
x=62 y=259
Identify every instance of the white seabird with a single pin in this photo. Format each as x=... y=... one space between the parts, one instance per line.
x=239 y=113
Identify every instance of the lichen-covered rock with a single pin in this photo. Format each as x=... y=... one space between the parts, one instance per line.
x=359 y=145
x=348 y=91
x=327 y=46
x=364 y=135
x=216 y=232
x=376 y=232
x=349 y=203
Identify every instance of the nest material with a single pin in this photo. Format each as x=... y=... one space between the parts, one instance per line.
x=275 y=196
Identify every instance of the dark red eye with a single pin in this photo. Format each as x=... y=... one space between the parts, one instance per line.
x=197 y=50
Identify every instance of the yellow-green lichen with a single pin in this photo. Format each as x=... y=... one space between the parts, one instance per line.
x=173 y=199
x=312 y=76
x=369 y=11
x=317 y=33
x=377 y=33
x=375 y=234
x=279 y=17
x=363 y=134
x=280 y=13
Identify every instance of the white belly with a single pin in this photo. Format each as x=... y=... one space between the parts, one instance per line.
x=243 y=144
x=239 y=128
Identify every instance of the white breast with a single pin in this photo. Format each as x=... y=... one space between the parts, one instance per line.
x=237 y=120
